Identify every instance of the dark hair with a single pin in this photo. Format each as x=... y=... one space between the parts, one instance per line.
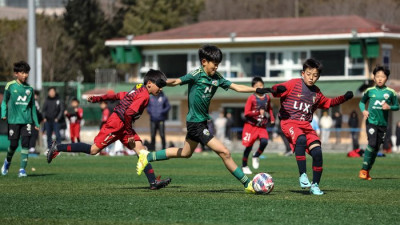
x=36 y=92
x=256 y=80
x=21 y=66
x=210 y=53
x=312 y=64
x=52 y=87
x=75 y=99
x=378 y=68
x=155 y=76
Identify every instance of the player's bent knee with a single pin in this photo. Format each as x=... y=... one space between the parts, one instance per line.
x=185 y=153
x=225 y=154
x=301 y=140
x=264 y=141
x=316 y=154
x=94 y=150
x=13 y=144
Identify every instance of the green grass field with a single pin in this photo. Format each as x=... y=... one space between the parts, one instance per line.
x=106 y=190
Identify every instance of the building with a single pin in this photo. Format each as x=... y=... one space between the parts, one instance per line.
x=348 y=46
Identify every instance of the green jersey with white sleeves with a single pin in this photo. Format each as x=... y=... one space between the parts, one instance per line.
x=377 y=96
x=19 y=104
x=200 y=92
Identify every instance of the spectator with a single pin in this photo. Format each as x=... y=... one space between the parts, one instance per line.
x=353 y=124
x=35 y=133
x=337 y=117
x=326 y=124
x=288 y=151
x=74 y=115
x=105 y=113
x=220 y=127
x=158 y=110
x=229 y=125
x=398 y=136
x=53 y=110
x=315 y=124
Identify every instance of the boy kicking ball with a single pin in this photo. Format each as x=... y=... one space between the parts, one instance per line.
x=298 y=103
x=381 y=100
x=202 y=85
x=119 y=125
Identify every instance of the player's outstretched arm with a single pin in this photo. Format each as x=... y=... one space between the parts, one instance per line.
x=242 y=88
x=340 y=99
x=173 y=82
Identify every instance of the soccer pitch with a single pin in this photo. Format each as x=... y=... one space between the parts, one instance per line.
x=106 y=190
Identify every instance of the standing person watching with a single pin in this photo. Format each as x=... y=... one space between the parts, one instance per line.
x=158 y=109
x=53 y=110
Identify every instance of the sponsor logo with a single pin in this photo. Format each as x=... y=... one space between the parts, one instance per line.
x=208 y=89
x=11 y=132
x=302 y=106
x=371 y=131
x=214 y=82
x=22 y=98
x=206 y=132
x=377 y=102
x=27 y=92
x=386 y=96
x=138 y=86
x=29 y=128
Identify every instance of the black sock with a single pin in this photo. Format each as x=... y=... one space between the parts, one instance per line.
x=316 y=154
x=300 y=151
x=246 y=154
x=74 y=147
x=263 y=145
x=148 y=170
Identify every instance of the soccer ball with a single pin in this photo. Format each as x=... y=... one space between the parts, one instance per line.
x=263 y=183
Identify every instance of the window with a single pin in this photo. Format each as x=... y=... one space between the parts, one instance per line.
x=276 y=58
x=249 y=64
x=299 y=57
x=333 y=61
x=355 y=66
x=386 y=57
x=174 y=117
x=173 y=65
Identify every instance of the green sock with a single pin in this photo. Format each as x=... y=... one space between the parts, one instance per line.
x=157 y=156
x=368 y=158
x=238 y=173
x=10 y=154
x=24 y=158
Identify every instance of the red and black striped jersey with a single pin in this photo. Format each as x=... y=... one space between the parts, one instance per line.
x=300 y=101
x=135 y=101
x=252 y=110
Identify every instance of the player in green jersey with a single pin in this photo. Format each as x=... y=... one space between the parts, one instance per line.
x=381 y=100
x=18 y=108
x=202 y=85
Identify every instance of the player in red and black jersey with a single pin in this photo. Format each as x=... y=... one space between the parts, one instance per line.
x=119 y=124
x=299 y=99
x=258 y=112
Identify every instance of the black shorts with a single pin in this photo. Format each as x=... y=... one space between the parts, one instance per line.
x=376 y=135
x=17 y=130
x=198 y=131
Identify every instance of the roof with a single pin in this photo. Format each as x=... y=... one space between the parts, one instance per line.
x=271 y=29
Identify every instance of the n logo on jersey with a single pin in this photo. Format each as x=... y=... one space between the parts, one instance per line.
x=208 y=89
x=22 y=98
x=377 y=102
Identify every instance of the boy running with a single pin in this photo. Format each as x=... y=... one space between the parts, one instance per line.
x=119 y=124
x=18 y=107
x=381 y=100
x=257 y=111
x=298 y=103
x=203 y=83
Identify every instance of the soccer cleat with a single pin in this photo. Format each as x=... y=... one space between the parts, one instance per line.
x=364 y=174
x=249 y=189
x=158 y=184
x=5 y=167
x=52 y=153
x=22 y=173
x=315 y=190
x=246 y=170
x=256 y=162
x=304 y=182
x=142 y=161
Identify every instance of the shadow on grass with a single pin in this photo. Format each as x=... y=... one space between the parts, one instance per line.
x=304 y=192
x=144 y=188
x=386 y=178
x=41 y=175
